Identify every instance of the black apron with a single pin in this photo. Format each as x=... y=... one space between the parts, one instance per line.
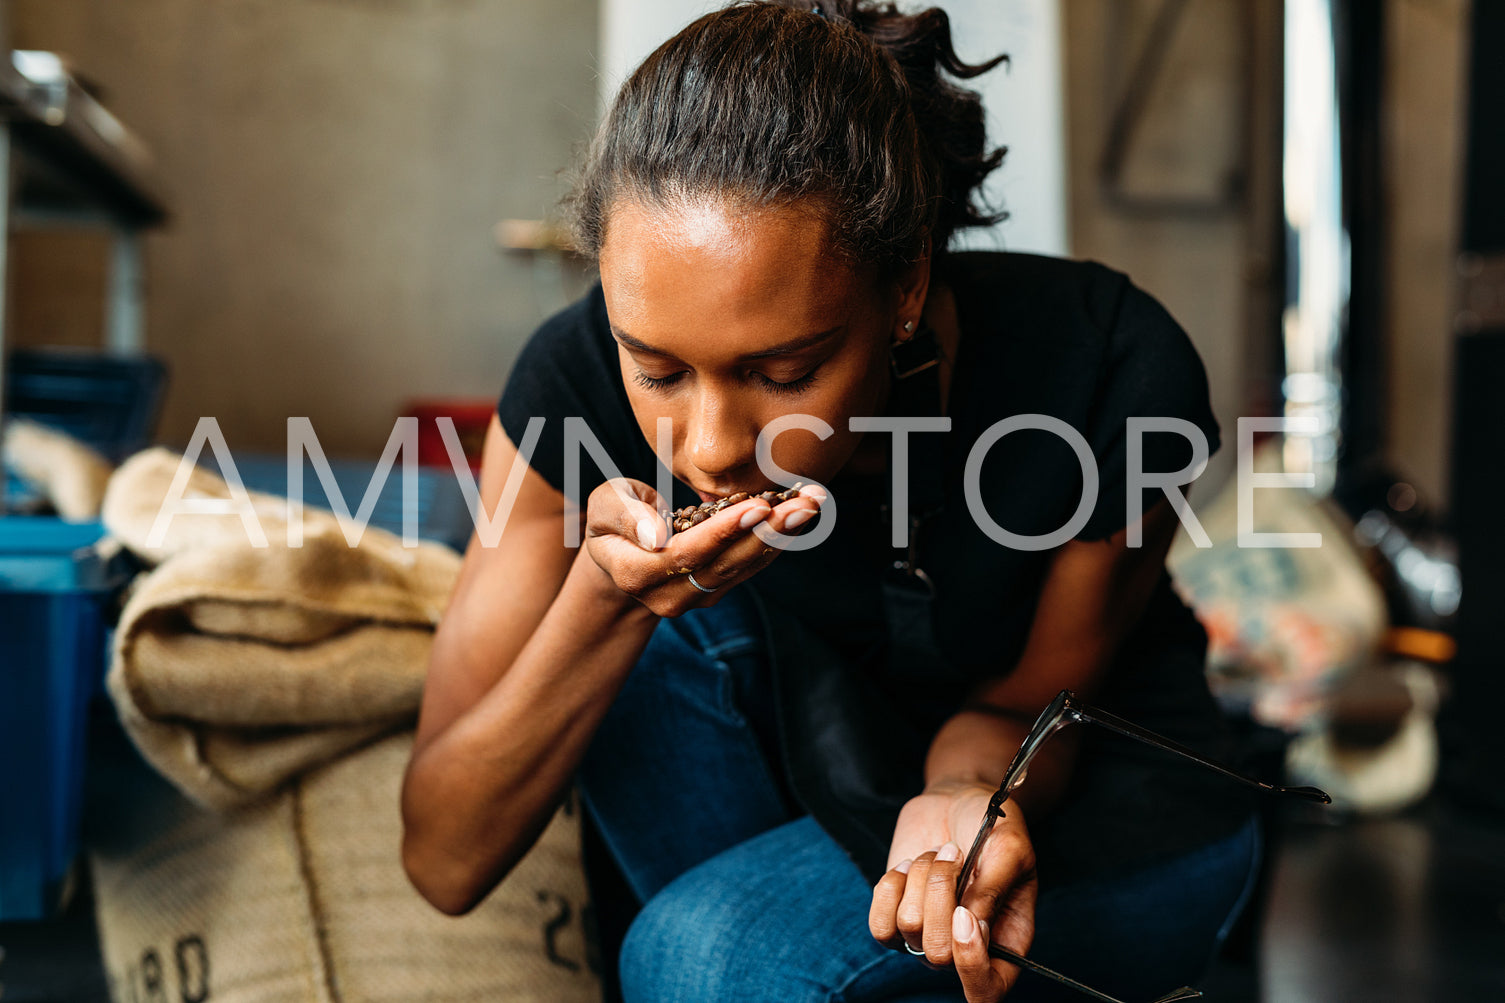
x=861 y=686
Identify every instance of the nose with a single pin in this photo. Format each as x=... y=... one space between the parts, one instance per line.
x=719 y=441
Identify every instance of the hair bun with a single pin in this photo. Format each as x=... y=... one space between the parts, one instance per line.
x=851 y=113
x=950 y=117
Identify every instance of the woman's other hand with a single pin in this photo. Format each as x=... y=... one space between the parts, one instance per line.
x=630 y=540
x=915 y=902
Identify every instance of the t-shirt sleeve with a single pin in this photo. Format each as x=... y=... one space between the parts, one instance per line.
x=565 y=380
x=1151 y=371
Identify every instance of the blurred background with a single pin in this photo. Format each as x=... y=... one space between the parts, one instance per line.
x=346 y=210
x=334 y=170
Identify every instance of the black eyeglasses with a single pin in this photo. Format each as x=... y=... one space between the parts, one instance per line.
x=1065 y=710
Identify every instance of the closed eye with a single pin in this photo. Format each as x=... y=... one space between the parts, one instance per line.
x=792 y=386
x=655 y=382
x=773 y=386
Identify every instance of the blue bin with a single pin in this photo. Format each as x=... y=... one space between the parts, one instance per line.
x=442 y=515
x=109 y=402
x=57 y=593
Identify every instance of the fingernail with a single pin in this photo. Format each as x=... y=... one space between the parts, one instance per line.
x=798 y=519
x=961 y=925
x=811 y=491
x=753 y=516
x=903 y=866
x=949 y=852
x=647 y=534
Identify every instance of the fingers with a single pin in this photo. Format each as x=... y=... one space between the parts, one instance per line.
x=939 y=901
x=632 y=512
x=1007 y=862
x=787 y=518
x=631 y=539
x=1005 y=887
x=882 y=919
x=722 y=549
x=981 y=976
x=909 y=917
x=969 y=954
x=1014 y=927
x=914 y=904
x=914 y=916
x=796 y=517
x=720 y=530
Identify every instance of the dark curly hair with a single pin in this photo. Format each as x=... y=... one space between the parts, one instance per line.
x=837 y=105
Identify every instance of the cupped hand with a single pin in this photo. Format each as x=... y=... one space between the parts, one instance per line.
x=628 y=536
x=915 y=902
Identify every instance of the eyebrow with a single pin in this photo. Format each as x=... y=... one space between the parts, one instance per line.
x=788 y=348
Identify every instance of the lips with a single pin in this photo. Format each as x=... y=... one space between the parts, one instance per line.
x=707 y=496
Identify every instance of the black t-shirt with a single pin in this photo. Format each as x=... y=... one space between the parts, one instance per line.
x=1073 y=341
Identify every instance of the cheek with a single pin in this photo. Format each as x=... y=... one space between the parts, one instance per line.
x=648 y=408
x=802 y=452
x=862 y=390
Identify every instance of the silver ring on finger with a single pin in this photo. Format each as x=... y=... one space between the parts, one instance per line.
x=698 y=585
x=911 y=950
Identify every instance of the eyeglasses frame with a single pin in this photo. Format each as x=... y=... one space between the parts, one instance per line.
x=1064 y=710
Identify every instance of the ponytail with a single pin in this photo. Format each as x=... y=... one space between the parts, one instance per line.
x=950 y=118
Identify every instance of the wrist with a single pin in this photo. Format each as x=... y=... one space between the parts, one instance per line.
x=590 y=577
x=959 y=784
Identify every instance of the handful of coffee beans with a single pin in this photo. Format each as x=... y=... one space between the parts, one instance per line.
x=693 y=515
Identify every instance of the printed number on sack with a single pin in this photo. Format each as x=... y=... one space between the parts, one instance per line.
x=147 y=982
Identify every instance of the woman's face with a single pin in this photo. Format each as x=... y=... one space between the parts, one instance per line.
x=727 y=319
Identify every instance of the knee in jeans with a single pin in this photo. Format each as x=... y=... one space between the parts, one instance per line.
x=709 y=935
x=682 y=945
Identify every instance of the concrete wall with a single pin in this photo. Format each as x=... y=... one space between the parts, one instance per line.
x=1213 y=269
x=1204 y=260
x=334 y=168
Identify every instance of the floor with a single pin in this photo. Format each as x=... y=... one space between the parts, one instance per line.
x=1408 y=909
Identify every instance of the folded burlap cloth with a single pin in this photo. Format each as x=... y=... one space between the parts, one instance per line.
x=69 y=474
x=235 y=667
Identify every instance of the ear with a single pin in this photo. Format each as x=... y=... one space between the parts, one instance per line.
x=910 y=289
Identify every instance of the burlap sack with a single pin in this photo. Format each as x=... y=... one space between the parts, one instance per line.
x=236 y=667
x=302 y=899
x=69 y=474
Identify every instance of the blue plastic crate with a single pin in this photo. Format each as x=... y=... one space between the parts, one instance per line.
x=57 y=591
x=442 y=515
x=109 y=402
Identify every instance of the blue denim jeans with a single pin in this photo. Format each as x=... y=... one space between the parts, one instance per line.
x=745 y=897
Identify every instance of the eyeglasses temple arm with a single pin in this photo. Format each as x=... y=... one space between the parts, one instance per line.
x=1020 y=761
x=1050 y=721
x=1004 y=954
x=971 y=859
x=1130 y=730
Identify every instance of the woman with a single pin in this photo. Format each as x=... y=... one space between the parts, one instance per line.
x=787 y=746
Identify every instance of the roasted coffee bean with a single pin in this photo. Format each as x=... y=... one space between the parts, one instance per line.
x=693 y=515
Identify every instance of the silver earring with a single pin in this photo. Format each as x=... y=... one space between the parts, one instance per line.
x=914 y=355
x=909 y=327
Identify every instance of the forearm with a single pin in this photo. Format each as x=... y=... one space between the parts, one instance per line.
x=1090 y=600
x=477 y=795
x=975 y=747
